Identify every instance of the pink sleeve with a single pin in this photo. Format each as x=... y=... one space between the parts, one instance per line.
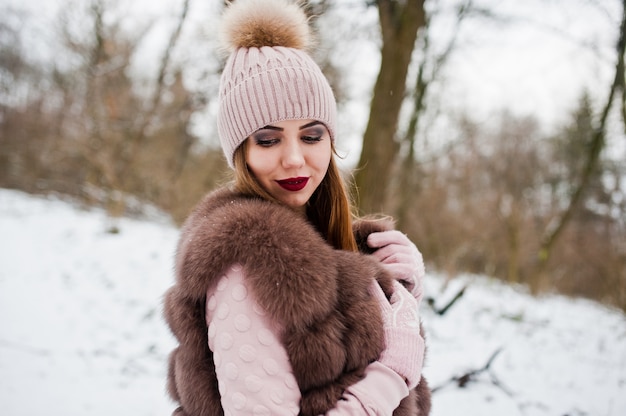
x=379 y=393
x=253 y=369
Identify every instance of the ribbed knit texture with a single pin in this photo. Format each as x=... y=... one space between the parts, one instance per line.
x=404 y=353
x=261 y=86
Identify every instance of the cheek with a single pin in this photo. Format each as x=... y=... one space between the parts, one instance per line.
x=322 y=157
x=258 y=163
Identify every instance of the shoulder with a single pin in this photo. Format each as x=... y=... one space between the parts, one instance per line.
x=230 y=218
x=287 y=263
x=227 y=227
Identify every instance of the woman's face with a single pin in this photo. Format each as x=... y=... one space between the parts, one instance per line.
x=290 y=159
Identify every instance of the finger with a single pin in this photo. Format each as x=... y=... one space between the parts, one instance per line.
x=407 y=279
x=394 y=254
x=401 y=293
x=397 y=297
x=396 y=257
x=401 y=272
x=384 y=238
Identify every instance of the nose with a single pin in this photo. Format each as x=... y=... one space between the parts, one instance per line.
x=293 y=156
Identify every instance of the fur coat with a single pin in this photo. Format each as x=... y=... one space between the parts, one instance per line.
x=318 y=294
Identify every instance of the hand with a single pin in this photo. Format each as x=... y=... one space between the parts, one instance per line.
x=404 y=346
x=401 y=257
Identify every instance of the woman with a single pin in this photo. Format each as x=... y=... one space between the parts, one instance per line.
x=275 y=309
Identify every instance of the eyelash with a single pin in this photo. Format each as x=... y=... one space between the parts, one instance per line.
x=271 y=142
x=266 y=142
x=311 y=139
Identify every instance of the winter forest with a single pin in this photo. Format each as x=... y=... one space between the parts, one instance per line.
x=494 y=132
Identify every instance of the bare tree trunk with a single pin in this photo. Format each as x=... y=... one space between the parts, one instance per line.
x=399 y=22
x=128 y=153
x=113 y=146
x=513 y=240
x=593 y=156
x=409 y=172
x=139 y=136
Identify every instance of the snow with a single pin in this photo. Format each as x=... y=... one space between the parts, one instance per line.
x=81 y=331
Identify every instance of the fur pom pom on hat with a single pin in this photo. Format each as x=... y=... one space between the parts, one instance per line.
x=258 y=23
x=269 y=76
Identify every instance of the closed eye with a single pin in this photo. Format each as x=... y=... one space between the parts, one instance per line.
x=311 y=139
x=266 y=142
x=313 y=134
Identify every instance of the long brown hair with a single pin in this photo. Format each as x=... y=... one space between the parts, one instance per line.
x=328 y=209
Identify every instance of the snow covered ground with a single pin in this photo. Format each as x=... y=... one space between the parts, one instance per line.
x=81 y=331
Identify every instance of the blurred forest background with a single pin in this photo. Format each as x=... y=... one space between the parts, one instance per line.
x=115 y=107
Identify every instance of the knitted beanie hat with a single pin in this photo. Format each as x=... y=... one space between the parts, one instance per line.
x=269 y=76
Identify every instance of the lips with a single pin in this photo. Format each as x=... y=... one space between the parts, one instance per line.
x=293 y=184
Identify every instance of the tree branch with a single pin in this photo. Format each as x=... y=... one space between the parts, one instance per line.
x=140 y=135
x=470 y=376
x=442 y=311
x=596 y=145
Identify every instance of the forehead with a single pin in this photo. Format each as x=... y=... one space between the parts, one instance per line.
x=298 y=124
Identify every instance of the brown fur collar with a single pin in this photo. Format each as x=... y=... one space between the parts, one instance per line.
x=320 y=298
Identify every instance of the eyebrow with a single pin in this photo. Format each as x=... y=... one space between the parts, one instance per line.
x=311 y=124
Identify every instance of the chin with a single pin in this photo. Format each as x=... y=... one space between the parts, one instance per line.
x=295 y=205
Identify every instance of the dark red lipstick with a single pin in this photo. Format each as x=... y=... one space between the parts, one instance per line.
x=293 y=184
